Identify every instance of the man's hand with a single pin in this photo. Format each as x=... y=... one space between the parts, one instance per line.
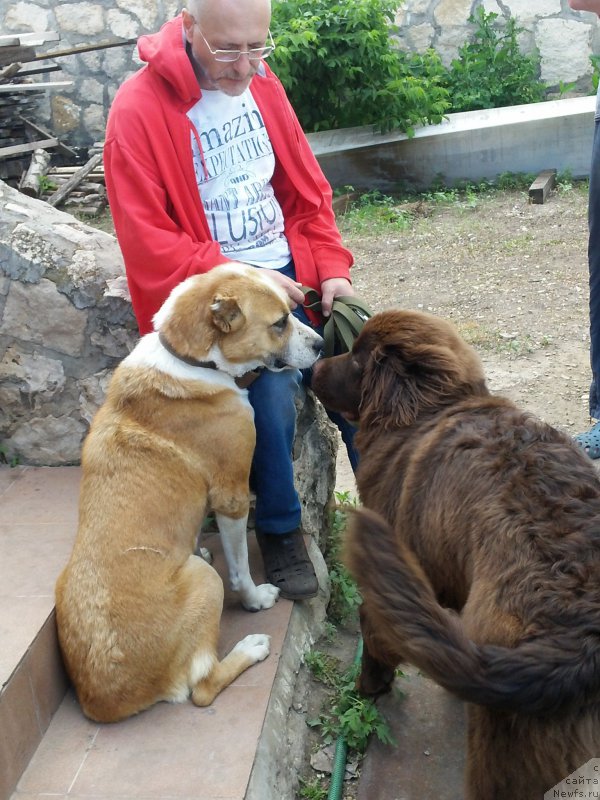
x=292 y=288
x=332 y=288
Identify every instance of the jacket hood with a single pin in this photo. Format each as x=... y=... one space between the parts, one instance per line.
x=165 y=54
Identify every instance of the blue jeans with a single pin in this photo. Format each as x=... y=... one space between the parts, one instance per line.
x=272 y=479
x=594 y=267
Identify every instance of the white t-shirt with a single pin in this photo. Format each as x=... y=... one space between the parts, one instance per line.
x=234 y=165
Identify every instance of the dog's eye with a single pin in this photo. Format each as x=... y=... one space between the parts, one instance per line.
x=281 y=323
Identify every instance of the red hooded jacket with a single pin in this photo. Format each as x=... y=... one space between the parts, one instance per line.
x=158 y=215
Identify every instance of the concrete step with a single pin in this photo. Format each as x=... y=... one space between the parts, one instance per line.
x=241 y=748
x=427 y=759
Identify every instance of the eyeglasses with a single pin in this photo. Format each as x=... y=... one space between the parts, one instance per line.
x=254 y=54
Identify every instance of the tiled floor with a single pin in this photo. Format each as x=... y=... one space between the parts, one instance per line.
x=37 y=524
x=38 y=520
x=169 y=751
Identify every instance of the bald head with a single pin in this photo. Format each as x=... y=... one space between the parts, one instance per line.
x=202 y=9
x=230 y=25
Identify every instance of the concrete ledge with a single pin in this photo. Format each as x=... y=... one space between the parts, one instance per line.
x=473 y=145
x=281 y=744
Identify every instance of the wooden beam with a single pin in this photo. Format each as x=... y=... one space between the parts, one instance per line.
x=29 y=38
x=10 y=88
x=67 y=151
x=542 y=185
x=66 y=189
x=26 y=147
x=6 y=73
x=38 y=167
x=84 y=48
x=37 y=69
x=12 y=53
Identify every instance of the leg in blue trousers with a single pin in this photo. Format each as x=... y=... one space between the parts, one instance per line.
x=278 y=511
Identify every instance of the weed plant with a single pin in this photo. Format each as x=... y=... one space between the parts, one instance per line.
x=350 y=716
x=312 y=789
x=491 y=71
x=7 y=458
x=345 y=597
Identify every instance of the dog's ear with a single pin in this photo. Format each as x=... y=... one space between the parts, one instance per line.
x=226 y=313
x=386 y=397
x=401 y=384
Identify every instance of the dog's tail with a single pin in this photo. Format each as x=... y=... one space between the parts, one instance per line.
x=538 y=676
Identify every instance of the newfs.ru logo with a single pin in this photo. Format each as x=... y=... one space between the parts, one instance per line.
x=583 y=784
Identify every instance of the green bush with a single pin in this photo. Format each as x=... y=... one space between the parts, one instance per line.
x=339 y=65
x=491 y=71
x=595 y=60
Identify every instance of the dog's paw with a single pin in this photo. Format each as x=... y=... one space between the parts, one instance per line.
x=256 y=645
x=263 y=596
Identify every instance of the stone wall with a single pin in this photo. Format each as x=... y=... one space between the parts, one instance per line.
x=65 y=323
x=61 y=333
x=564 y=38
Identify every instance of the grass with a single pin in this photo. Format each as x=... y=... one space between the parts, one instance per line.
x=485 y=338
x=7 y=458
x=102 y=221
x=345 y=597
x=312 y=789
x=348 y=714
x=375 y=213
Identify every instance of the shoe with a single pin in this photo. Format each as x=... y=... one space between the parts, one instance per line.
x=590 y=441
x=287 y=564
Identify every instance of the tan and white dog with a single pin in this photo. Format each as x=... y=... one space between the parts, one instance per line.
x=138 y=613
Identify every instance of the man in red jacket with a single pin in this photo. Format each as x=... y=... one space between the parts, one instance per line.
x=206 y=162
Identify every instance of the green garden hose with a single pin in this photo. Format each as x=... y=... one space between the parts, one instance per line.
x=341 y=750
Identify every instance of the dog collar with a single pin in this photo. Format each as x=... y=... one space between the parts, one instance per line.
x=242 y=382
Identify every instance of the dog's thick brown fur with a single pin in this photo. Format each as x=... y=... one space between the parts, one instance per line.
x=482 y=509
x=138 y=612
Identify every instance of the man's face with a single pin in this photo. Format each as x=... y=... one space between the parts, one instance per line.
x=227 y=25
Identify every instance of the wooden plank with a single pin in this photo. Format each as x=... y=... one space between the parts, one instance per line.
x=38 y=167
x=8 y=55
x=31 y=39
x=542 y=185
x=33 y=87
x=73 y=182
x=84 y=48
x=62 y=148
x=38 y=69
x=26 y=147
x=6 y=73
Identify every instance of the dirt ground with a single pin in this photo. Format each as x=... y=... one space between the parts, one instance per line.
x=513 y=277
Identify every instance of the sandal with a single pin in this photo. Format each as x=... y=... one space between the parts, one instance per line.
x=590 y=441
x=287 y=564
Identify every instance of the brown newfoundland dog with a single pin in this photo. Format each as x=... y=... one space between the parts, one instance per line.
x=485 y=510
